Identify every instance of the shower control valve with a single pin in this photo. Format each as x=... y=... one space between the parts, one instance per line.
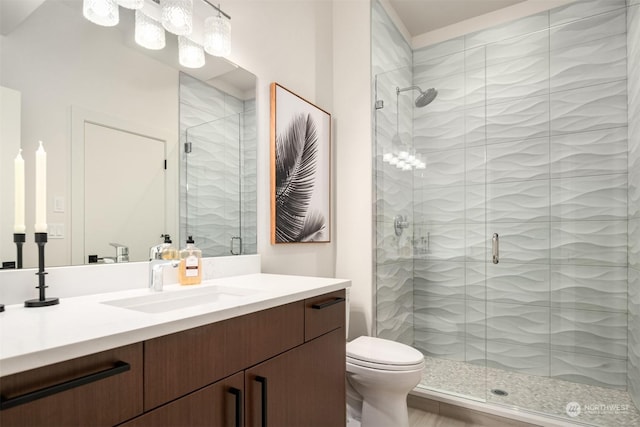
x=399 y=224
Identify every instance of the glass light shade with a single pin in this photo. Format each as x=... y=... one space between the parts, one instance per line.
x=177 y=16
x=149 y=33
x=101 y=12
x=131 y=4
x=191 y=55
x=217 y=35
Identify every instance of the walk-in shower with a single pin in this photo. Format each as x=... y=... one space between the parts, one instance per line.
x=517 y=268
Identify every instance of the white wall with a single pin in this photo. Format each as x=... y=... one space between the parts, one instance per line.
x=319 y=49
x=353 y=108
x=289 y=42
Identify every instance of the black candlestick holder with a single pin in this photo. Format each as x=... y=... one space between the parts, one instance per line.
x=42 y=301
x=19 y=239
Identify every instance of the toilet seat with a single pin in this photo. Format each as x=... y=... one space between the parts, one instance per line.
x=382 y=354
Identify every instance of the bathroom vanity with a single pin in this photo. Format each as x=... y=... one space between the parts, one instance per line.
x=271 y=354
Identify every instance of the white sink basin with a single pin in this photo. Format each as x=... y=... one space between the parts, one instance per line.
x=183 y=298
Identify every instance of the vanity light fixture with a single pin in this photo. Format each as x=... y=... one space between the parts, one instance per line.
x=191 y=54
x=177 y=16
x=217 y=33
x=149 y=33
x=101 y=12
x=131 y=4
x=152 y=17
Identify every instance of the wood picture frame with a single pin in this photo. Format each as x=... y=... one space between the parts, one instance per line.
x=300 y=169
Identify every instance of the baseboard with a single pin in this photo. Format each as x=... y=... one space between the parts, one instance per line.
x=470 y=411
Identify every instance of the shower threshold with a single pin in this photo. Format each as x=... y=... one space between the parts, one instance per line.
x=533 y=399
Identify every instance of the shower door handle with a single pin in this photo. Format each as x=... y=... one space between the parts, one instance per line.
x=233 y=246
x=495 y=248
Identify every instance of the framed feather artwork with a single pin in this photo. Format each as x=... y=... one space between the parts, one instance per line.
x=300 y=169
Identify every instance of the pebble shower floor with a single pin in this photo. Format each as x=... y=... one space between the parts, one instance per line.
x=598 y=406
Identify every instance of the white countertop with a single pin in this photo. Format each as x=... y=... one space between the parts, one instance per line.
x=78 y=326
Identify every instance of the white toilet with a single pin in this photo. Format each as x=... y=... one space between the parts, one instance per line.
x=380 y=374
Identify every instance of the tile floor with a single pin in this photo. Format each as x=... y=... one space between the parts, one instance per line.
x=600 y=406
x=418 y=418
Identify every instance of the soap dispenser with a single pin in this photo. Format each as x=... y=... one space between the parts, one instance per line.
x=164 y=250
x=190 y=270
x=168 y=250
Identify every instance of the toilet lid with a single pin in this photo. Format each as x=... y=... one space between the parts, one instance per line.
x=378 y=351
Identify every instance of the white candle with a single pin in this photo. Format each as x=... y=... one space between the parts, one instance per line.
x=18 y=202
x=41 y=190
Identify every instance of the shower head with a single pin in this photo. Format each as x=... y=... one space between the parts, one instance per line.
x=425 y=97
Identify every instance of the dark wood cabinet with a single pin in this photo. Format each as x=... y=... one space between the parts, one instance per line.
x=220 y=404
x=302 y=387
x=280 y=367
x=324 y=313
x=177 y=364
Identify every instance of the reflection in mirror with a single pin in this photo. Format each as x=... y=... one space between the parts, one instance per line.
x=136 y=176
x=58 y=64
x=218 y=180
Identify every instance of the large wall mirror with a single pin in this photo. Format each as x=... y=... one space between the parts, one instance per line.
x=137 y=146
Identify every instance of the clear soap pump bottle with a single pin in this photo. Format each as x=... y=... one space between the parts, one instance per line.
x=190 y=269
x=168 y=250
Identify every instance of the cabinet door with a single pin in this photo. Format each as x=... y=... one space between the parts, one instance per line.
x=177 y=364
x=302 y=387
x=101 y=389
x=218 y=405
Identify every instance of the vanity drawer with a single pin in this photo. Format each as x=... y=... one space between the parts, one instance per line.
x=323 y=314
x=97 y=390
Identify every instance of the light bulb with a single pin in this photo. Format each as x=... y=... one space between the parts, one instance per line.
x=101 y=12
x=149 y=33
x=217 y=35
x=177 y=16
x=191 y=54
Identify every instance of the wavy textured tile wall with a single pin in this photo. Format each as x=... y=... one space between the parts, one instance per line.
x=531 y=135
x=394 y=315
x=218 y=166
x=589 y=153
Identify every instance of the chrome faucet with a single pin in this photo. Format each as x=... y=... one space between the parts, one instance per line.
x=122 y=252
x=156 y=272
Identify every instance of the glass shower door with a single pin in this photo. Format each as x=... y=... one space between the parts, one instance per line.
x=431 y=238
x=214 y=186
